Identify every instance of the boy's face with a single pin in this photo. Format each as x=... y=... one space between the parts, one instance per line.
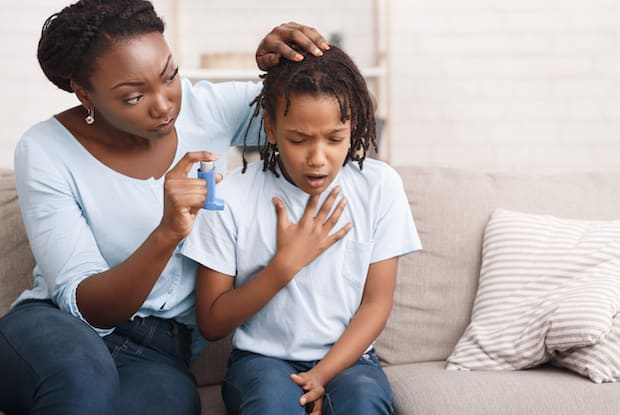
x=312 y=141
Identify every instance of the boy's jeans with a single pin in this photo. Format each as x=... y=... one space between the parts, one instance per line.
x=257 y=384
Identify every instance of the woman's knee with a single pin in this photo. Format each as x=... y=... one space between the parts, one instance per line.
x=63 y=363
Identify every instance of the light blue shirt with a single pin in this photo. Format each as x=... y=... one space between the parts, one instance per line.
x=83 y=218
x=304 y=319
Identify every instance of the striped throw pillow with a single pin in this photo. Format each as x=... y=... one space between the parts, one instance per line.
x=599 y=362
x=548 y=288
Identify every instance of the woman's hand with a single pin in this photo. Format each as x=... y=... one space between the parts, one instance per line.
x=276 y=44
x=312 y=399
x=183 y=195
x=298 y=244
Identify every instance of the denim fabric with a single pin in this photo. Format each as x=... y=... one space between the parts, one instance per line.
x=257 y=384
x=53 y=363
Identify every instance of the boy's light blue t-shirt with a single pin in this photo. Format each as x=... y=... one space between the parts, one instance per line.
x=83 y=218
x=310 y=314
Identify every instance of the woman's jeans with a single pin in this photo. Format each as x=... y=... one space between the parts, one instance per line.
x=257 y=384
x=53 y=363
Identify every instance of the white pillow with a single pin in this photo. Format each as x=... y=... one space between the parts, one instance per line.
x=599 y=362
x=547 y=286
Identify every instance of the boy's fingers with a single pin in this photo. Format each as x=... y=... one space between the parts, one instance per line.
x=327 y=204
x=335 y=216
x=313 y=202
x=341 y=233
x=280 y=212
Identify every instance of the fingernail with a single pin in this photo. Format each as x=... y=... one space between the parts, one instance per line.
x=299 y=57
x=318 y=52
x=325 y=46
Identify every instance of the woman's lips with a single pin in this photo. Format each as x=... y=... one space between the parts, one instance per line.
x=166 y=125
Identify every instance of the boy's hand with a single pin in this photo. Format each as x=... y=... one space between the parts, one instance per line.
x=312 y=400
x=299 y=244
x=276 y=44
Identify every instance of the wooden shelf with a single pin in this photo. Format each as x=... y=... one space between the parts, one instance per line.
x=219 y=75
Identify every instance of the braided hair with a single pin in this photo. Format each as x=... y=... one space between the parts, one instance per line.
x=332 y=74
x=73 y=38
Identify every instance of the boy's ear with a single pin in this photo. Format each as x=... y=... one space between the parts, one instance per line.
x=271 y=135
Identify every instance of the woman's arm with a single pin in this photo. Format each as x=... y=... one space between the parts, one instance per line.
x=112 y=296
x=220 y=308
x=364 y=328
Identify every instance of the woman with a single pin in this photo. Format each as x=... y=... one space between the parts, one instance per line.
x=107 y=193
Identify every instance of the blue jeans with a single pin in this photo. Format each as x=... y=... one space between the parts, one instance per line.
x=53 y=363
x=257 y=384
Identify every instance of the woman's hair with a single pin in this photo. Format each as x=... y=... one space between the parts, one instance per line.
x=333 y=74
x=73 y=38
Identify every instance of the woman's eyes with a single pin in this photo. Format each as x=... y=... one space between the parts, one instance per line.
x=174 y=74
x=134 y=100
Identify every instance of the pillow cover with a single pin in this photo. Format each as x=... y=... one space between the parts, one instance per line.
x=599 y=362
x=547 y=286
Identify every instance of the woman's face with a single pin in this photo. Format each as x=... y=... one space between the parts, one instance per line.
x=312 y=140
x=136 y=88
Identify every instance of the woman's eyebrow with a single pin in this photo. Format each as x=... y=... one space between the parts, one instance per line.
x=140 y=83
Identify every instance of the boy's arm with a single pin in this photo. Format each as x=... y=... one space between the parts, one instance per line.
x=364 y=328
x=220 y=308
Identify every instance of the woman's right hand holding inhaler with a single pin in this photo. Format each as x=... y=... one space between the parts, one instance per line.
x=300 y=243
x=183 y=195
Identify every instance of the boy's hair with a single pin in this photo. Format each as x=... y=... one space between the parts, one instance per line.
x=73 y=38
x=332 y=74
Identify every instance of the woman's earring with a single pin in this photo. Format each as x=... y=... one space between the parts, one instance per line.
x=90 y=118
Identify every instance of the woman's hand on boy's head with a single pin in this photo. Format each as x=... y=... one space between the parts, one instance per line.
x=276 y=44
x=312 y=399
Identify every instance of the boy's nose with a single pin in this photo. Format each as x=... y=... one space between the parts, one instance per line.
x=316 y=158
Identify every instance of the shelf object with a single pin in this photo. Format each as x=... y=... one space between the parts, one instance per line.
x=377 y=74
x=235 y=74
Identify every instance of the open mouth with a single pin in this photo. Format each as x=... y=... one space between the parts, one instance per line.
x=316 y=180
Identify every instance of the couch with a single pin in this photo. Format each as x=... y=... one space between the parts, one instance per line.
x=434 y=296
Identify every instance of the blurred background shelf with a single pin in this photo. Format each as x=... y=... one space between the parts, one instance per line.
x=241 y=74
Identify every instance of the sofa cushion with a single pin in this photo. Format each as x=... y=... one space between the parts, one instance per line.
x=547 y=285
x=16 y=261
x=426 y=388
x=436 y=287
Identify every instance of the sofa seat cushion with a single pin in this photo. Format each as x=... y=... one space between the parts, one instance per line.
x=429 y=389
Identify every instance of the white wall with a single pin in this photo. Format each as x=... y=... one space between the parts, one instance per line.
x=487 y=84
x=527 y=84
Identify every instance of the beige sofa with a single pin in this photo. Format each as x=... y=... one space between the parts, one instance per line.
x=436 y=289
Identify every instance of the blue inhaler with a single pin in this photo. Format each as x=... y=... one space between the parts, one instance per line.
x=207 y=172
